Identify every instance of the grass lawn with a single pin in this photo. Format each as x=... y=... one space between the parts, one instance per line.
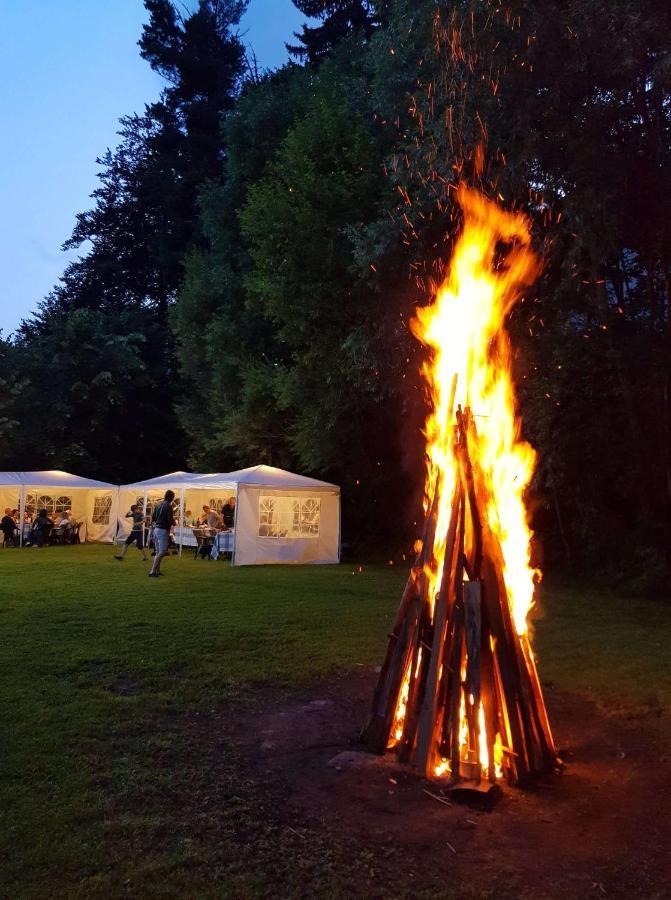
x=101 y=666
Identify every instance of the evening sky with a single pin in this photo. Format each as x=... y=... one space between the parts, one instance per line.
x=69 y=70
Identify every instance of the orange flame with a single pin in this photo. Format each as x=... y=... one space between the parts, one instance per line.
x=470 y=366
x=464 y=327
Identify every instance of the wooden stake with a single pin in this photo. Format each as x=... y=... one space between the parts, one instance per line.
x=427 y=721
x=467 y=628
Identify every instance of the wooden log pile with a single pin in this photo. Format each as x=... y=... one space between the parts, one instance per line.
x=458 y=694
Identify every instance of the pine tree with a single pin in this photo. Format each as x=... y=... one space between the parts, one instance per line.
x=143 y=223
x=338 y=18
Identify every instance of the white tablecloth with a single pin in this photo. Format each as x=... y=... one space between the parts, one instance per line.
x=184 y=536
x=224 y=542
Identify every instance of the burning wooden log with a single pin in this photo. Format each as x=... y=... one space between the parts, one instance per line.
x=458 y=692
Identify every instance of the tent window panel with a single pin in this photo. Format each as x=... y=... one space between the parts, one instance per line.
x=309 y=518
x=51 y=503
x=102 y=507
x=153 y=502
x=289 y=517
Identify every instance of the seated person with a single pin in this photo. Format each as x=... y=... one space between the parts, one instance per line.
x=62 y=519
x=228 y=514
x=202 y=518
x=41 y=528
x=8 y=528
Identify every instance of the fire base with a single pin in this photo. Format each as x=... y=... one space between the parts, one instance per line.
x=458 y=694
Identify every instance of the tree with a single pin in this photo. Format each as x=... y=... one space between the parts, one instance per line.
x=338 y=19
x=145 y=217
x=87 y=398
x=224 y=343
x=299 y=221
x=583 y=146
x=288 y=324
x=143 y=223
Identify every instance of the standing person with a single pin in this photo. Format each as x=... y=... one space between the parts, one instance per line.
x=228 y=514
x=136 y=535
x=8 y=527
x=212 y=518
x=162 y=520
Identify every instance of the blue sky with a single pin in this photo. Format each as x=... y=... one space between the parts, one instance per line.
x=68 y=70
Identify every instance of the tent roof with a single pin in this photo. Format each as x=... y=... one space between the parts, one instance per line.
x=52 y=478
x=266 y=476
x=171 y=480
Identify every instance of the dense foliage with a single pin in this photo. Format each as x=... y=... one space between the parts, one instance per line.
x=258 y=245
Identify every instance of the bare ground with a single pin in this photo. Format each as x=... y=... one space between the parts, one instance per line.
x=600 y=829
x=241 y=801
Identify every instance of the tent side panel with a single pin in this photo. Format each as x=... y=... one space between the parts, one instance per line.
x=252 y=548
x=77 y=498
x=9 y=497
x=196 y=498
x=102 y=512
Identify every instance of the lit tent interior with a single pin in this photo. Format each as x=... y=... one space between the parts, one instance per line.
x=280 y=517
x=94 y=503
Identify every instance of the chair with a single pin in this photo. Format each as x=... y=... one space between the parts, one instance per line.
x=203 y=543
x=42 y=534
x=74 y=533
x=60 y=535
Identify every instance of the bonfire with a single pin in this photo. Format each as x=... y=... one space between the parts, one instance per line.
x=458 y=695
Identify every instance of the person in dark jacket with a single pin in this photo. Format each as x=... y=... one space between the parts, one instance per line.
x=163 y=520
x=8 y=528
x=228 y=514
x=41 y=528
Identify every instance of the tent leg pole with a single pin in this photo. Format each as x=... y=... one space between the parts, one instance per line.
x=235 y=522
x=144 y=520
x=22 y=513
x=181 y=520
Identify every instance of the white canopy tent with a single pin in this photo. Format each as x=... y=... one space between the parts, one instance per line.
x=92 y=502
x=189 y=492
x=280 y=517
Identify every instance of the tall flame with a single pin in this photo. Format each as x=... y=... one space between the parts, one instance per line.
x=458 y=692
x=464 y=327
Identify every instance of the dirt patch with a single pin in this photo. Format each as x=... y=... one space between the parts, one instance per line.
x=268 y=794
x=600 y=829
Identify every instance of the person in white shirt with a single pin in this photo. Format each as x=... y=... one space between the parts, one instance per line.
x=213 y=519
